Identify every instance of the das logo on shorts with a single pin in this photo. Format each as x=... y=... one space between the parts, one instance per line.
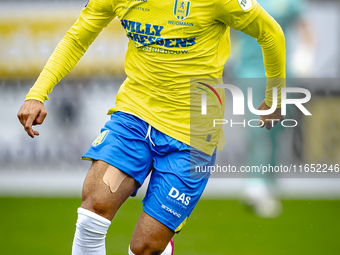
x=181 y=9
x=100 y=138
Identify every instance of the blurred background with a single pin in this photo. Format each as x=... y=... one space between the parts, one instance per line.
x=41 y=178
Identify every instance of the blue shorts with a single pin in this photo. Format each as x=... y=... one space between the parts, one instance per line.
x=133 y=146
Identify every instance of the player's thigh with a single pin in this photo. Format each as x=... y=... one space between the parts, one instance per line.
x=174 y=189
x=150 y=236
x=122 y=145
x=97 y=196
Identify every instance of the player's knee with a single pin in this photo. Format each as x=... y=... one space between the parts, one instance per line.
x=92 y=201
x=145 y=248
x=101 y=208
x=98 y=206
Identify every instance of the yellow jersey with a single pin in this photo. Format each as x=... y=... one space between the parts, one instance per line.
x=172 y=43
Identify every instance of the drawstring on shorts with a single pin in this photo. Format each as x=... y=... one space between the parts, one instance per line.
x=149 y=135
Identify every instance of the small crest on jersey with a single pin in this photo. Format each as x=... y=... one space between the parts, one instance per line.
x=181 y=9
x=245 y=4
x=100 y=139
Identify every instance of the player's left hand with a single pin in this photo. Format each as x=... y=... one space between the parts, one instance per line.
x=269 y=121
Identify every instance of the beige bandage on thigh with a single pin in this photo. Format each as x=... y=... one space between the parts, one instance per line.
x=113 y=178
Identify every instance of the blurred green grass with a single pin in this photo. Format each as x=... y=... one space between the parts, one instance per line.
x=46 y=226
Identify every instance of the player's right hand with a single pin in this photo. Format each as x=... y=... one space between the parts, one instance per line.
x=32 y=112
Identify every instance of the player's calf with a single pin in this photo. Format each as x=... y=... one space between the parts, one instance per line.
x=168 y=250
x=150 y=237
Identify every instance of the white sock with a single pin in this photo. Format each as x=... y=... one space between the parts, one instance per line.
x=90 y=233
x=130 y=252
x=167 y=251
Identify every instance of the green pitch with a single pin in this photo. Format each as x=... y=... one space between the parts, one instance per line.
x=46 y=226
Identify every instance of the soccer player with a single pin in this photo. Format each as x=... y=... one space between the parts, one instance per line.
x=170 y=42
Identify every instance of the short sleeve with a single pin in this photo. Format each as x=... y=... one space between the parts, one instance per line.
x=97 y=14
x=237 y=14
